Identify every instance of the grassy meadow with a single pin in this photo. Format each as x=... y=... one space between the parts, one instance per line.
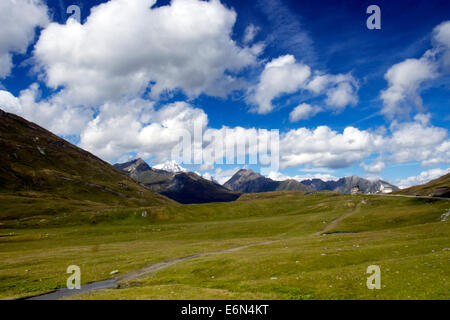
x=404 y=236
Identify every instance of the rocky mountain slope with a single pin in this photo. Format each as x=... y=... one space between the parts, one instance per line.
x=184 y=187
x=37 y=164
x=248 y=181
x=436 y=188
x=140 y=171
x=344 y=185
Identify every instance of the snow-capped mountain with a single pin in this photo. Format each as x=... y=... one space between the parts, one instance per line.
x=184 y=187
x=170 y=166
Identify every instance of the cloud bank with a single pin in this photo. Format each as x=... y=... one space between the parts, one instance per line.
x=125 y=48
x=19 y=20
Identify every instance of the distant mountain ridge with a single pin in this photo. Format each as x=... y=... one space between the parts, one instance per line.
x=140 y=171
x=184 y=187
x=344 y=185
x=248 y=181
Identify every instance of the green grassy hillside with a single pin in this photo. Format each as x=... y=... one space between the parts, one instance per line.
x=314 y=246
x=42 y=175
x=436 y=188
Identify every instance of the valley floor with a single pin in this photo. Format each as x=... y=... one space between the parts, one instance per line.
x=264 y=246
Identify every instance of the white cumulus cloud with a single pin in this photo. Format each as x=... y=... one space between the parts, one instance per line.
x=126 y=47
x=442 y=39
x=280 y=76
x=304 y=111
x=19 y=20
x=422 y=178
x=374 y=167
x=284 y=75
x=277 y=176
x=405 y=79
x=50 y=113
x=418 y=141
x=220 y=175
x=324 y=147
x=142 y=129
x=250 y=33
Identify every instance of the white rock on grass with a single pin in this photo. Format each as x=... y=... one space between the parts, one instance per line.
x=445 y=216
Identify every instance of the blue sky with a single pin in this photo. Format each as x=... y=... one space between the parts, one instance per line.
x=128 y=79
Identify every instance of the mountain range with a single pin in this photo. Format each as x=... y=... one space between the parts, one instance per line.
x=181 y=186
x=344 y=185
x=248 y=181
x=37 y=165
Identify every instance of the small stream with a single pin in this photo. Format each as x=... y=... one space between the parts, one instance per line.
x=114 y=283
x=64 y=292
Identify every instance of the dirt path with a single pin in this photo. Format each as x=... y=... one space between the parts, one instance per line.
x=162 y=265
x=410 y=196
x=334 y=223
x=114 y=282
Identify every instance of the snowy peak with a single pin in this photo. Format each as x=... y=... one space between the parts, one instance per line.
x=177 y=183
x=170 y=166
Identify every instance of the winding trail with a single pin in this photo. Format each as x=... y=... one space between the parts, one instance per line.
x=410 y=196
x=162 y=265
x=114 y=282
x=334 y=223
